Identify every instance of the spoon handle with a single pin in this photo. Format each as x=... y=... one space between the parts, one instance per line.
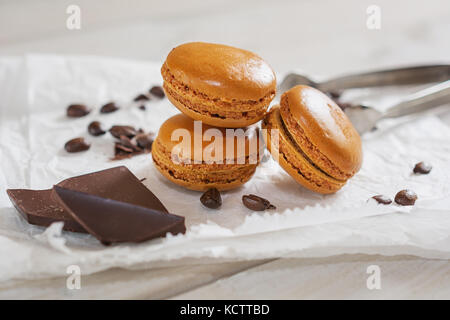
x=399 y=76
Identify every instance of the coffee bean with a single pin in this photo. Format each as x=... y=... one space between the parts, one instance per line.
x=95 y=129
x=77 y=110
x=128 y=131
x=333 y=94
x=382 y=199
x=422 y=168
x=143 y=107
x=145 y=140
x=211 y=198
x=141 y=97
x=109 y=107
x=76 y=145
x=125 y=141
x=256 y=203
x=406 y=197
x=120 y=148
x=157 y=91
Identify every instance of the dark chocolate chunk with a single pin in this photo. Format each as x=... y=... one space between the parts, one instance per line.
x=109 y=107
x=256 y=203
x=141 y=97
x=77 y=110
x=211 y=198
x=95 y=129
x=157 y=91
x=422 y=168
x=112 y=221
x=406 y=197
x=117 y=183
x=143 y=107
x=128 y=131
x=39 y=208
x=76 y=145
x=382 y=199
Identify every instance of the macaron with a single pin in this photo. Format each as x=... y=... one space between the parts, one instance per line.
x=316 y=143
x=220 y=85
x=197 y=156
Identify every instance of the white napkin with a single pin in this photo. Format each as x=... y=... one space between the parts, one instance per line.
x=34 y=93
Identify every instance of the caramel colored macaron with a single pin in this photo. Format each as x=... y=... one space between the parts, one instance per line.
x=317 y=144
x=203 y=158
x=220 y=85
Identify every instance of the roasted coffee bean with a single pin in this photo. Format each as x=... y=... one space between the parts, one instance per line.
x=145 y=140
x=256 y=203
x=125 y=141
x=382 y=199
x=333 y=94
x=211 y=198
x=143 y=107
x=119 y=148
x=406 y=197
x=141 y=97
x=76 y=145
x=422 y=168
x=157 y=91
x=77 y=110
x=95 y=129
x=128 y=131
x=109 y=107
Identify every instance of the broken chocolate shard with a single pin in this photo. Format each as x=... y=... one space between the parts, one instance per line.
x=42 y=208
x=39 y=208
x=112 y=221
x=117 y=183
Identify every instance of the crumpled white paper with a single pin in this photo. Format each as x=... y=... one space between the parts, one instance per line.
x=34 y=93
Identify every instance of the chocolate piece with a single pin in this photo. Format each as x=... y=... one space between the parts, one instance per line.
x=422 y=168
x=128 y=131
x=118 y=184
x=406 y=197
x=38 y=207
x=143 y=107
x=256 y=203
x=382 y=199
x=77 y=110
x=76 y=145
x=112 y=221
x=141 y=97
x=211 y=198
x=109 y=107
x=95 y=129
x=157 y=91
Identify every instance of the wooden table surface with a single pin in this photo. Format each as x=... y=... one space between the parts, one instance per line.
x=320 y=37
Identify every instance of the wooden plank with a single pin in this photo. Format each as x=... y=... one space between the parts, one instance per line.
x=126 y=284
x=340 y=277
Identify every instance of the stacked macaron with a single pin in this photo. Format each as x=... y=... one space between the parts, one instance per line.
x=223 y=87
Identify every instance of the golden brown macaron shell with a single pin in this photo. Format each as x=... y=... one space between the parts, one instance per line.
x=323 y=131
x=218 y=84
x=204 y=174
x=318 y=145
